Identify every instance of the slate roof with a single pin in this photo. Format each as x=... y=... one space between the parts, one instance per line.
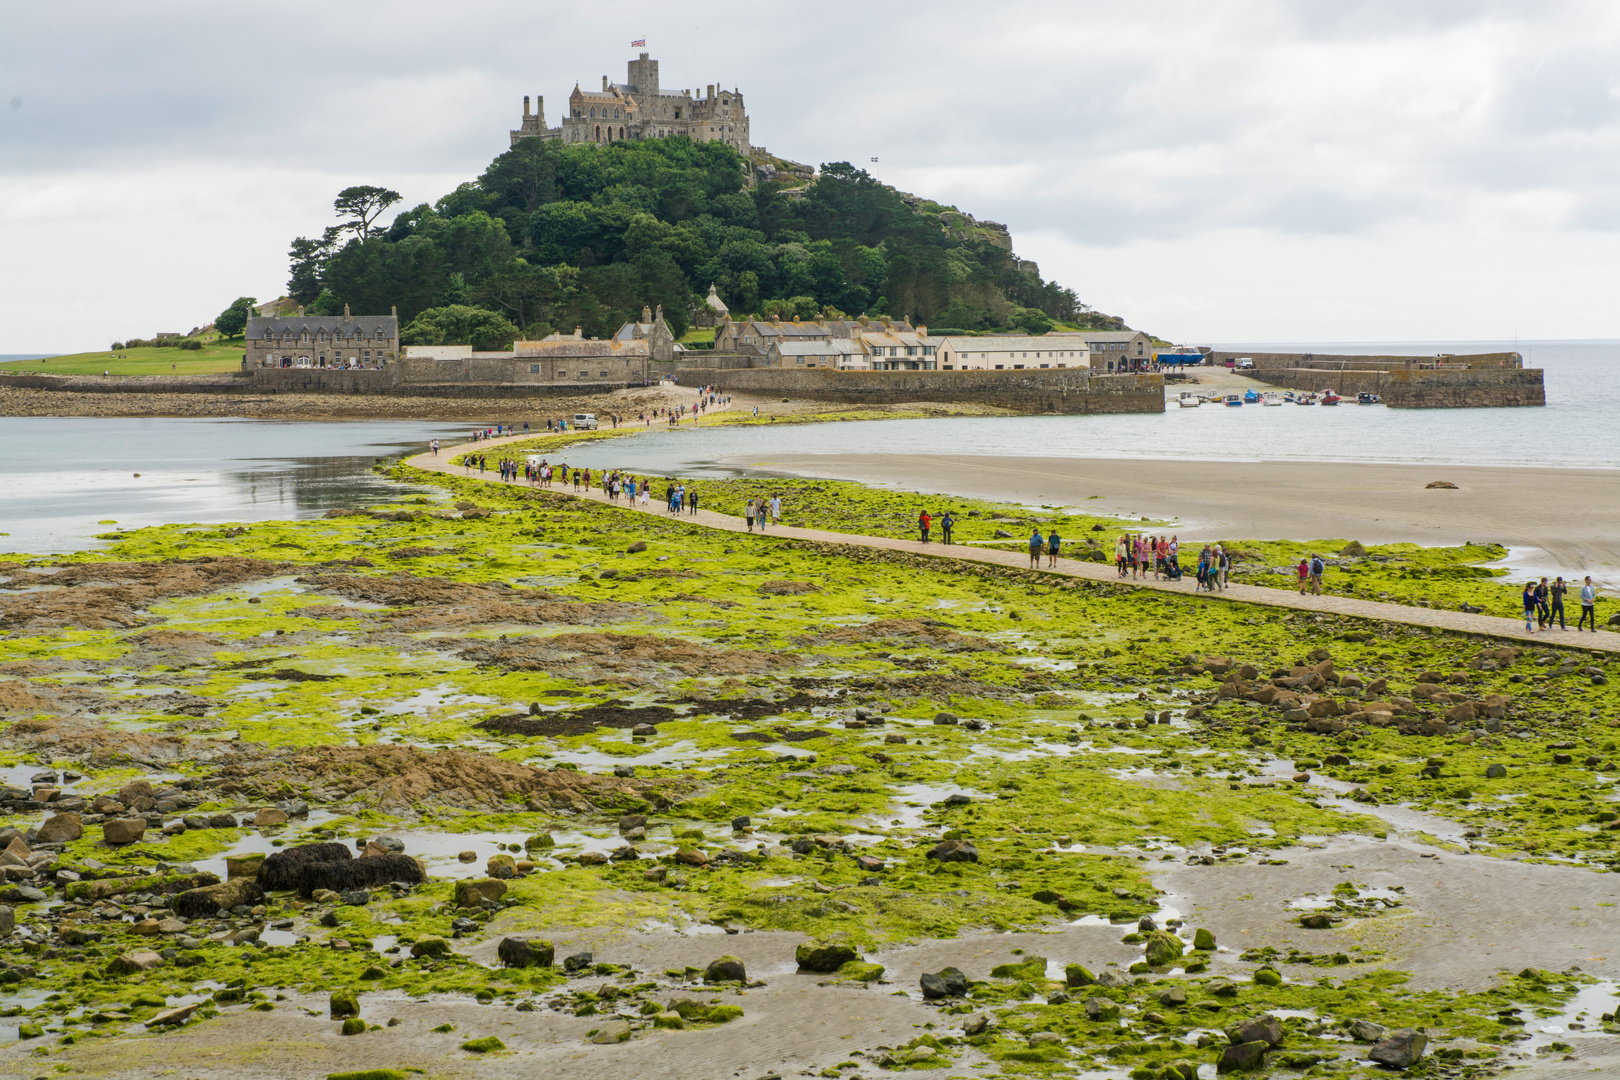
x=328 y=324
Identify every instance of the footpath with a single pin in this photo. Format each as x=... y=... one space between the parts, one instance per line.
x=1604 y=641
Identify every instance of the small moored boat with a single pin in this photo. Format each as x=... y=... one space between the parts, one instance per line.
x=1270 y=398
x=1234 y=401
x=1330 y=398
x=1189 y=400
x=1365 y=398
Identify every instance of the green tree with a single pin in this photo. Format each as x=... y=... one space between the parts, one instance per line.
x=233 y=320
x=361 y=205
x=459 y=324
x=1031 y=320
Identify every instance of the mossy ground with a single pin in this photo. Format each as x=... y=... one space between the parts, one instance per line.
x=1071 y=792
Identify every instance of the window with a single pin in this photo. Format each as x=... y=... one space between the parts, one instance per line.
x=593 y=112
x=999 y=367
x=534 y=369
x=604 y=374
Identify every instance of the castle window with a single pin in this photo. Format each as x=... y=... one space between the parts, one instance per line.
x=593 y=112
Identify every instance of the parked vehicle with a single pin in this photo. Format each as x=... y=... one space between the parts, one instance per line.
x=1243 y=363
x=585 y=421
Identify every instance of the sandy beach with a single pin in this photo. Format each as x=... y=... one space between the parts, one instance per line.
x=1571 y=516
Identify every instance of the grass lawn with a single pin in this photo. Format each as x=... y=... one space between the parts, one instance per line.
x=211 y=357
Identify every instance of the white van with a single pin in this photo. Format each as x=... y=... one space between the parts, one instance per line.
x=585 y=421
x=1244 y=364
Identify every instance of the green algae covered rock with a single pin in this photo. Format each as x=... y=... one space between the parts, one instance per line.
x=484 y=1045
x=860 y=971
x=1162 y=948
x=823 y=957
x=430 y=946
x=725 y=969
x=1031 y=967
x=344 y=1003
x=367 y=1074
x=1267 y=976
x=354 y=1026
x=1203 y=940
x=1078 y=975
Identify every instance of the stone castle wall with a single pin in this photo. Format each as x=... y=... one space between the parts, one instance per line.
x=1028 y=391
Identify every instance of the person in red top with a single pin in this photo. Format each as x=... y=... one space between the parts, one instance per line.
x=924 y=520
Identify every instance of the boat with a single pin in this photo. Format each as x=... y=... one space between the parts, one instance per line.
x=1330 y=398
x=1189 y=400
x=1364 y=398
x=1270 y=398
x=1251 y=396
x=1304 y=399
x=1234 y=401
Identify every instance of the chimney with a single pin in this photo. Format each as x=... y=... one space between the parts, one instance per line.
x=711 y=91
x=646 y=313
x=300 y=311
x=579 y=332
x=394 y=311
x=604 y=84
x=525 y=106
x=345 y=311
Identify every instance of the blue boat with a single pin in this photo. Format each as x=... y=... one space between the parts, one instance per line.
x=1251 y=397
x=1234 y=401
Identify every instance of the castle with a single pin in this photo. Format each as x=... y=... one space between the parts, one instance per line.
x=638 y=109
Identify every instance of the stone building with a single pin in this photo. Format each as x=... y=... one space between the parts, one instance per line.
x=321 y=341
x=713 y=310
x=1114 y=350
x=639 y=108
x=654 y=331
x=1012 y=352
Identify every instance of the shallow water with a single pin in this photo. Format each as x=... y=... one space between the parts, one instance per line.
x=65 y=476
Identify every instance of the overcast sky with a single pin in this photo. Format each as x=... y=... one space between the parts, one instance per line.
x=1245 y=171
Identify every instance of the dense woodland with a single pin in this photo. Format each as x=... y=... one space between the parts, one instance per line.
x=557 y=235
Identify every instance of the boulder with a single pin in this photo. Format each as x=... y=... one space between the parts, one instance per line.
x=178 y=1015
x=1495 y=772
x=1077 y=975
x=725 y=969
x=243 y=866
x=1162 y=948
x=60 y=829
x=977 y=1024
x=136 y=789
x=1031 y=968
x=1267 y=1029
x=1399 y=1049
x=1366 y=1031
x=1100 y=1008
x=1173 y=998
x=948 y=982
x=270 y=816
x=8 y=921
x=131 y=962
x=501 y=866
x=823 y=957
x=614 y=1031
x=1204 y=940
x=521 y=952
x=954 y=851
x=343 y=1003
x=472 y=894
x=210 y=899
x=1243 y=1057
x=123 y=830
x=430 y=947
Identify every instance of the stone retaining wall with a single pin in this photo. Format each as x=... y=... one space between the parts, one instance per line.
x=1471 y=389
x=227 y=382
x=1029 y=391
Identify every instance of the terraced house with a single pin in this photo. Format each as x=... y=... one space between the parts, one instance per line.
x=321 y=341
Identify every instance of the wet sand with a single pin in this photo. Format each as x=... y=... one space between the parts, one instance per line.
x=1572 y=516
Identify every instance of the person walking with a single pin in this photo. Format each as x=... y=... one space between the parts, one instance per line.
x=1119 y=555
x=748 y=514
x=947 y=522
x=1054 y=544
x=1226 y=568
x=692 y=501
x=1316 y=575
x=1036 y=546
x=1304 y=575
x=1528 y=598
x=1542 y=619
x=1555 y=596
x=1588 y=605
x=776 y=508
x=924 y=520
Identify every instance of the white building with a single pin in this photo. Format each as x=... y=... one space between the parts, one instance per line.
x=1010 y=352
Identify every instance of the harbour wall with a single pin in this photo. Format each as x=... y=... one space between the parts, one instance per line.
x=1469 y=388
x=1337 y=362
x=1028 y=391
x=324 y=381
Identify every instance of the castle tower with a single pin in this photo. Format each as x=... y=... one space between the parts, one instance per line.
x=643 y=76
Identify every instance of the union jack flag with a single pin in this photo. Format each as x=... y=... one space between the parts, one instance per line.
x=638 y=43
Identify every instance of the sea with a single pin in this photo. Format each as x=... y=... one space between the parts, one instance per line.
x=67 y=479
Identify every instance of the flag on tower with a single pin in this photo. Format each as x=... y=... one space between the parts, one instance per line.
x=639 y=43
